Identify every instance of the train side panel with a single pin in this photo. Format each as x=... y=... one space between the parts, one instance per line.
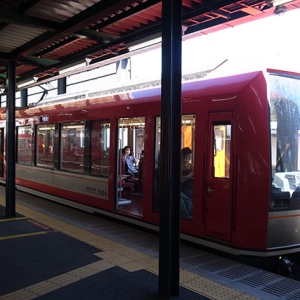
x=252 y=161
x=225 y=122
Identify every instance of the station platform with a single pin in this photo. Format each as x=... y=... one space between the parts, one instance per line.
x=50 y=251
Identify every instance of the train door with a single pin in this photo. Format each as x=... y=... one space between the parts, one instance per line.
x=218 y=217
x=129 y=177
x=187 y=169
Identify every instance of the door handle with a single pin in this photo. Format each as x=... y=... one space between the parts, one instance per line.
x=209 y=189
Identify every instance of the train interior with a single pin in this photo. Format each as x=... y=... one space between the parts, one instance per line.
x=130 y=194
x=131 y=133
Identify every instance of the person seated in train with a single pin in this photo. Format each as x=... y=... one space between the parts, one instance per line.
x=187 y=173
x=186 y=207
x=130 y=162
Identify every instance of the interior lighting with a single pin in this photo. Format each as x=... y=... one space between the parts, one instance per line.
x=46 y=128
x=73 y=127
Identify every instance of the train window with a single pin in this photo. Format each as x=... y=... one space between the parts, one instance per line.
x=131 y=132
x=45 y=143
x=222 y=138
x=25 y=146
x=187 y=160
x=285 y=140
x=100 y=148
x=72 y=147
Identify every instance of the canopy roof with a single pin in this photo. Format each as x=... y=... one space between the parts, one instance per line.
x=46 y=36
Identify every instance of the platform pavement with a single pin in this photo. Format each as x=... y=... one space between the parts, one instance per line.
x=41 y=261
x=51 y=251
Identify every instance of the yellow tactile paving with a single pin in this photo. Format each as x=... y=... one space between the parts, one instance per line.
x=152 y=266
x=245 y=297
x=19 y=295
x=113 y=254
x=211 y=289
x=52 y=284
x=186 y=276
x=16 y=236
x=13 y=219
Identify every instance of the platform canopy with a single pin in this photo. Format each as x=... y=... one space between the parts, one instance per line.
x=46 y=38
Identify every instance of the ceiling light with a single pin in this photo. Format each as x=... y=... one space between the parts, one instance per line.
x=2 y=89
x=88 y=60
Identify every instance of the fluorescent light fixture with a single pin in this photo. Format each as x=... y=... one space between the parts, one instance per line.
x=45 y=128
x=280 y=2
x=24 y=84
x=88 y=59
x=146 y=44
x=72 y=68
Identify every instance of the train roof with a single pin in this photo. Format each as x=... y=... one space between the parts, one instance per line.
x=193 y=87
x=152 y=88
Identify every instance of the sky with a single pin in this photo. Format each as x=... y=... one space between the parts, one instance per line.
x=271 y=42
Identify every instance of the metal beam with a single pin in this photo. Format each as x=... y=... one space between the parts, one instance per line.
x=10 y=142
x=16 y=18
x=92 y=14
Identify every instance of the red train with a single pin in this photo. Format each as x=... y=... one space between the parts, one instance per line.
x=243 y=131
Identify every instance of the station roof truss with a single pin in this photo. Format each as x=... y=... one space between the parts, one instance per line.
x=45 y=36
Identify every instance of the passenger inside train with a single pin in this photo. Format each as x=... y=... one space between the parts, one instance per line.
x=130 y=162
x=187 y=172
x=187 y=184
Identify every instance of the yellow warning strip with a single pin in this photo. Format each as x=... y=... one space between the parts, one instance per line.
x=13 y=219
x=16 y=236
x=113 y=254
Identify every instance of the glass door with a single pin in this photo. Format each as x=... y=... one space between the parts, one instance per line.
x=219 y=178
x=130 y=165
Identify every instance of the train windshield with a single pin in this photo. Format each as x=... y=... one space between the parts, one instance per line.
x=285 y=139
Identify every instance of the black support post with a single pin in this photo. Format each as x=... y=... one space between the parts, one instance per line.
x=169 y=232
x=11 y=141
x=61 y=86
x=24 y=98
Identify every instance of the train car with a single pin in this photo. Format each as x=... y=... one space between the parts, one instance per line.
x=243 y=131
